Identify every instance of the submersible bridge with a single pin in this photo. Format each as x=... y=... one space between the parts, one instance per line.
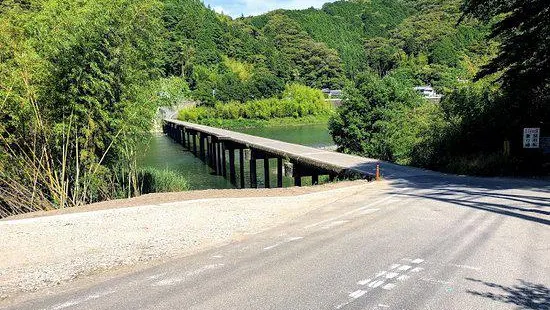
x=218 y=147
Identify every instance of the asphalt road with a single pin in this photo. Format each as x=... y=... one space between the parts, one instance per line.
x=425 y=242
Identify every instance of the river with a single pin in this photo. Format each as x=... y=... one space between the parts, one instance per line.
x=163 y=153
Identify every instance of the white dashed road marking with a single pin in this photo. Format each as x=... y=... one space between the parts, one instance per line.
x=292 y=239
x=363 y=282
x=351 y=212
x=386 y=280
x=176 y=280
x=404 y=268
x=75 y=302
x=357 y=294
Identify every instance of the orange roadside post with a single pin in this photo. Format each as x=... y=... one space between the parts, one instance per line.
x=377 y=172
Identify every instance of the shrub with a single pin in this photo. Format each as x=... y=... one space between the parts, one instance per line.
x=298 y=101
x=153 y=180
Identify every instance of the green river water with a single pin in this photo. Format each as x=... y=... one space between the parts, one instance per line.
x=163 y=153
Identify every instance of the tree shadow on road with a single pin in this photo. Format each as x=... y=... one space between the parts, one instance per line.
x=520 y=198
x=525 y=295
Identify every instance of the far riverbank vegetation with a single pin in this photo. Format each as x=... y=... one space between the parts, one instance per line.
x=297 y=105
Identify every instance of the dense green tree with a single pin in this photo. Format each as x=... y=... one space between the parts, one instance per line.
x=314 y=64
x=523 y=61
x=77 y=97
x=382 y=55
x=371 y=105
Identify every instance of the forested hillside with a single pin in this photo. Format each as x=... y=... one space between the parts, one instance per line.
x=345 y=25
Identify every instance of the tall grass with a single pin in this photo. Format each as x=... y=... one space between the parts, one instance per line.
x=153 y=180
x=47 y=167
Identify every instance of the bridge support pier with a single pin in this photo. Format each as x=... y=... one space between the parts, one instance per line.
x=297 y=174
x=201 y=147
x=224 y=161
x=280 y=172
x=219 y=158
x=232 y=172
x=241 y=167
x=194 y=143
x=253 y=175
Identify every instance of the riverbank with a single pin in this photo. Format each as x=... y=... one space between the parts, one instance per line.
x=106 y=236
x=243 y=123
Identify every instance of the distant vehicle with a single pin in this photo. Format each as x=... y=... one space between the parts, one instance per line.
x=428 y=92
x=332 y=93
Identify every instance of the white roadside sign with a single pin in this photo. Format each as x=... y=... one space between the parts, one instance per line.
x=531 y=138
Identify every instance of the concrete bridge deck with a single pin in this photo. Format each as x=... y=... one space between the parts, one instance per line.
x=328 y=161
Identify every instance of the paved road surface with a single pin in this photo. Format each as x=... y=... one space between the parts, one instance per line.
x=425 y=242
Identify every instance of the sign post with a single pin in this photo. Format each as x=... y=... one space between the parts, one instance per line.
x=531 y=138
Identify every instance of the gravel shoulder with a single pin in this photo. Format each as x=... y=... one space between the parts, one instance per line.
x=48 y=249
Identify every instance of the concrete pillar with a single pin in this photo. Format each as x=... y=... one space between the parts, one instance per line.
x=241 y=167
x=279 y=172
x=224 y=161
x=266 y=173
x=215 y=156
x=315 y=179
x=210 y=143
x=253 y=175
x=219 y=158
x=232 y=173
x=194 y=143
x=297 y=175
x=201 y=146
x=183 y=138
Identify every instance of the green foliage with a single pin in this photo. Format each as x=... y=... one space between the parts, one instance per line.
x=313 y=63
x=161 y=181
x=344 y=25
x=297 y=101
x=80 y=83
x=523 y=62
x=381 y=118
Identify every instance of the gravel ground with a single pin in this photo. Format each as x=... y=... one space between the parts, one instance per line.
x=45 y=251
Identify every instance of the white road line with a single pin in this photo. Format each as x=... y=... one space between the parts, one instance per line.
x=383 y=306
x=417 y=269
x=217 y=256
x=78 y=301
x=465 y=267
x=294 y=239
x=357 y=294
x=334 y=224
x=391 y=275
x=394 y=266
x=403 y=277
x=375 y=284
x=267 y=248
x=404 y=268
x=435 y=281
x=156 y=276
x=389 y=286
x=417 y=261
x=176 y=280
x=364 y=282
x=351 y=212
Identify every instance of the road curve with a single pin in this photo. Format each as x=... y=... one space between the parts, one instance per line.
x=427 y=241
